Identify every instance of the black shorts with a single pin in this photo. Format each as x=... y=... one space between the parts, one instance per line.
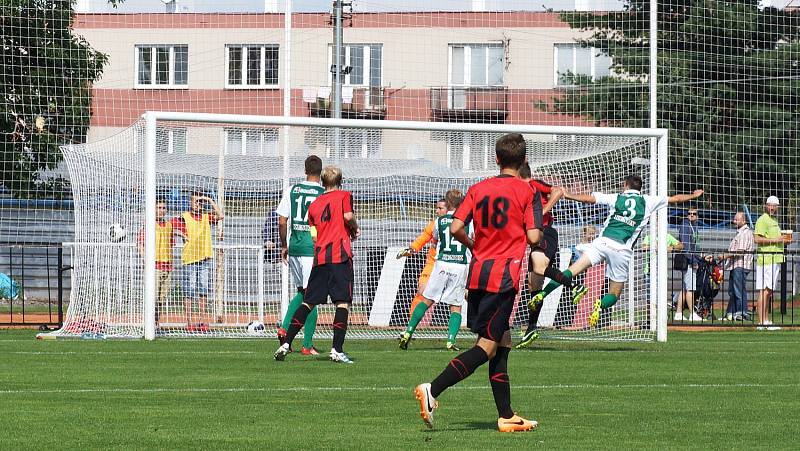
x=488 y=313
x=548 y=245
x=332 y=279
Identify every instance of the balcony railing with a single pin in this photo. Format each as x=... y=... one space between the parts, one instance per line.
x=470 y=104
x=365 y=103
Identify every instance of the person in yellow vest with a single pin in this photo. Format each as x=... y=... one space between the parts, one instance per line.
x=195 y=226
x=165 y=243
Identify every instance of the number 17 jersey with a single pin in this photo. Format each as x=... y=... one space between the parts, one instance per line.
x=501 y=212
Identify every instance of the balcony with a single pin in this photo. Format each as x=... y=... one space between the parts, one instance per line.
x=470 y=104
x=357 y=103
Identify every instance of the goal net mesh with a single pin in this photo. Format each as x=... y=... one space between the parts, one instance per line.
x=395 y=176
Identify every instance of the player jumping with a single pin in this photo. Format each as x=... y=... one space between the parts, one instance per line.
x=448 y=277
x=543 y=254
x=500 y=209
x=630 y=212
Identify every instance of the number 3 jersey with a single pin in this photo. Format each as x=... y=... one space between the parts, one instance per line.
x=630 y=212
x=500 y=209
x=333 y=237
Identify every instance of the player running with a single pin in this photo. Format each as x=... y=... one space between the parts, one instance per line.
x=501 y=211
x=543 y=254
x=299 y=253
x=448 y=277
x=630 y=212
x=331 y=215
x=416 y=246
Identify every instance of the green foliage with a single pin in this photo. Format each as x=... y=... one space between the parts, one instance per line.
x=728 y=91
x=45 y=91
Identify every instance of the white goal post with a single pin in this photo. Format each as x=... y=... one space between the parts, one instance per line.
x=396 y=170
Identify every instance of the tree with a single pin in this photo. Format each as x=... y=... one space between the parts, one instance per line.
x=728 y=91
x=45 y=84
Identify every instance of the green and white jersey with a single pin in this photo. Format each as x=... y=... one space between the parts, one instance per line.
x=449 y=249
x=630 y=212
x=294 y=206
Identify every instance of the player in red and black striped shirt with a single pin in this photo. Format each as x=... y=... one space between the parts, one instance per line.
x=543 y=254
x=501 y=211
x=331 y=216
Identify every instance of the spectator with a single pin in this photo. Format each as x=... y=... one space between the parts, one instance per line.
x=672 y=245
x=739 y=261
x=689 y=238
x=271 y=237
x=770 y=256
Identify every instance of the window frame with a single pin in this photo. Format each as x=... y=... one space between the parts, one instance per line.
x=262 y=78
x=264 y=138
x=171 y=139
x=366 y=57
x=154 y=67
x=468 y=46
x=573 y=47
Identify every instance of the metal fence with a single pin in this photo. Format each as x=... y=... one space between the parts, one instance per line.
x=715 y=304
x=38 y=287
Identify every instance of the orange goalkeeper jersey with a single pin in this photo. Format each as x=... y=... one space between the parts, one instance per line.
x=420 y=242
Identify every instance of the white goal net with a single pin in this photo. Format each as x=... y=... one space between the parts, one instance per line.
x=395 y=172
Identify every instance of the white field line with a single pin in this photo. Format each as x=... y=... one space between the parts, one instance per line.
x=268 y=352
x=382 y=389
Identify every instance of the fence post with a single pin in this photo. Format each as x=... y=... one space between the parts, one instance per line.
x=61 y=271
x=783 y=287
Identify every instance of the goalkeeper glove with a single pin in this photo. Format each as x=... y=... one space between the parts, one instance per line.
x=406 y=252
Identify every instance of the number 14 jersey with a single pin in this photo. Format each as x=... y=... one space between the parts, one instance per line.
x=500 y=209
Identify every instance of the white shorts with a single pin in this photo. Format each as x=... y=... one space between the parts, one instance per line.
x=690 y=279
x=447 y=283
x=616 y=256
x=300 y=270
x=767 y=276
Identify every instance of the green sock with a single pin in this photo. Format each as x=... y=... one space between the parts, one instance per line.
x=309 y=328
x=608 y=300
x=452 y=326
x=553 y=284
x=416 y=317
x=294 y=304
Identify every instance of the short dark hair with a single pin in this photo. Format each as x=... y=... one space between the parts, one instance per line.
x=161 y=200
x=634 y=182
x=197 y=193
x=454 y=198
x=313 y=165
x=443 y=200
x=525 y=170
x=510 y=150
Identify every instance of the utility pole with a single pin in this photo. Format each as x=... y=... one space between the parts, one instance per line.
x=338 y=70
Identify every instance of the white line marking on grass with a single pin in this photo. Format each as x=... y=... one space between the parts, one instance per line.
x=378 y=389
x=153 y=353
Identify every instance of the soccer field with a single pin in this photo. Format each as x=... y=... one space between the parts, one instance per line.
x=716 y=390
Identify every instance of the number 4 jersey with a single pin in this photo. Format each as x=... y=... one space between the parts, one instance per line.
x=449 y=249
x=630 y=212
x=333 y=237
x=500 y=209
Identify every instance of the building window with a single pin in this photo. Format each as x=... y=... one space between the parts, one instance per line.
x=251 y=65
x=476 y=64
x=168 y=140
x=162 y=66
x=260 y=142
x=572 y=59
x=365 y=62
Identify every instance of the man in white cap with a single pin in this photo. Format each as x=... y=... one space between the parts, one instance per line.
x=770 y=243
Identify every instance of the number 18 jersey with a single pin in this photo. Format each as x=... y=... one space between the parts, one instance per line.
x=500 y=209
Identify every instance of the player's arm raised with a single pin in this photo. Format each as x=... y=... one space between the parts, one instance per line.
x=555 y=195
x=582 y=198
x=680 y=198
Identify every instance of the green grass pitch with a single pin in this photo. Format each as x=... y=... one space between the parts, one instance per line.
x=720 y=390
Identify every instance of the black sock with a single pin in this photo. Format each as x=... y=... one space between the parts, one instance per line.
x=534 y=316
x=339 y=328
x=498 y=379
x=298 y=320
x=558 y=276
x=459 y=369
